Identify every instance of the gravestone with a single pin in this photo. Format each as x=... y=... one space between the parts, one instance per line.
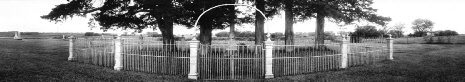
x=17 y=36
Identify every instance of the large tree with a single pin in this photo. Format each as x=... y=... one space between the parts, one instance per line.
x=140 y=14
x=422 y=26
x=268 y=7
x=125 y=14
x=271 y=8
x=338 y=11
x=367 y=31
x=259 y=22
x=397 y=30
x=218 y=18
x=289 y=22
x=232 y=22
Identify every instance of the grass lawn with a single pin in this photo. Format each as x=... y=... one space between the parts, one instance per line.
x=45 y=60
x=37 y=60
x=412 y=63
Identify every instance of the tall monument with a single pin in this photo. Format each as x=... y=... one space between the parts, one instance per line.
x=17 y=36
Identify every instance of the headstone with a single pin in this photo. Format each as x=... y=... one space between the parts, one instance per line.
x=232 y=45
x=17 y=36
x=183 y=41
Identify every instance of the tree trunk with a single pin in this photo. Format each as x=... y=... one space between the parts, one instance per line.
x=232 y=23
x=259 y=23
x=165 y=25
x=206 y=29
x=289 y=21
x=320 y=32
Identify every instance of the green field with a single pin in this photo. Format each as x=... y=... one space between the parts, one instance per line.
x=434 y=39
x=45 y=60
x=38 y=60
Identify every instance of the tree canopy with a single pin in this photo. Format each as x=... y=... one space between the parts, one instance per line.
x=338 y=11
x=422 y=26
x=141 y=14
x=446 y=33
x=121 y=13
x=367 y=31
x=163 y=14
x=397 y=30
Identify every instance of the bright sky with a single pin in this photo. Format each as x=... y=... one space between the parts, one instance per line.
x=24 y=15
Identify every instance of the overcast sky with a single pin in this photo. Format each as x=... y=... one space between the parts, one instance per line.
x=24 y=15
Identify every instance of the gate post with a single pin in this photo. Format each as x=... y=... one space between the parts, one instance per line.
x=118 y=57
x=390 y=47
x=269 y=59
x=193 y=74
x=71 y=55
x=344 y=51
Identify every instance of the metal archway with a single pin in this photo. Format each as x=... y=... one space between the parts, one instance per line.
x=261 y=13
x=235 y=62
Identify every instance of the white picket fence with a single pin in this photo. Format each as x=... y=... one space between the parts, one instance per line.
x=223 y=61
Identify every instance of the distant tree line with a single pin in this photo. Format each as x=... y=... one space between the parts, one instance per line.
x=276 y=35
x=29 y=33
x=240 y=35
x=91 y=34
x=446 y=33
x=237 y=34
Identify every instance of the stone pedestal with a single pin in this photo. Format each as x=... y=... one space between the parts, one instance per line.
x=269 y=59
x=344 y=51
x=118 y=56
x=193 y=45
x=390 y=41
x=71 y=48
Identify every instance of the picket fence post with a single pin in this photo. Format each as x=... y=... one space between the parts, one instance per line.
x=71 y=44
x=118 y=57
x=344 y=51
x=390 y=47
x=269 y=59
x=193 y=45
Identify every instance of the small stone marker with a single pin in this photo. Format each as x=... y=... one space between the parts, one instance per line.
x=17 y=36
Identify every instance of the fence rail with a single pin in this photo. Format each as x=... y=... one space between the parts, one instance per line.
x=368 y=51
x=155 y=57
x=95 y=51
x=230 y=62
x=301 y=59
x=227 y=60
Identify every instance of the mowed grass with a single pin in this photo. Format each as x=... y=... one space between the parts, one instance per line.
x=40 y=60
x=45 y=60
x=412 y=63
